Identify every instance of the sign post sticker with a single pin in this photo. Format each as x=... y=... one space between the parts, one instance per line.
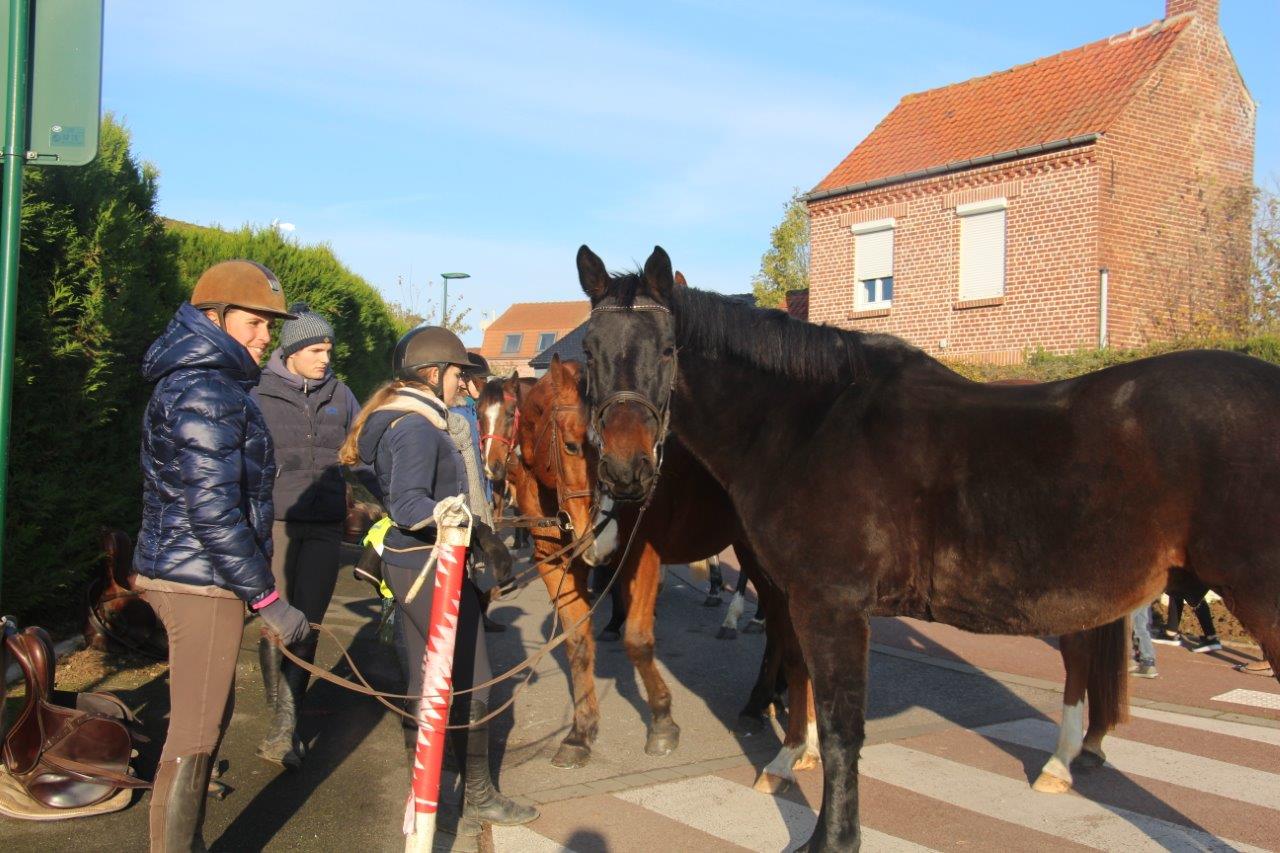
x=66 y=80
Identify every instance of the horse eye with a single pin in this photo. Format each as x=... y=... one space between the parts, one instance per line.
x=573 y=448
x=668 y=352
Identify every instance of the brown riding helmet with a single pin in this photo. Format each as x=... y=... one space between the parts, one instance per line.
x=425 y=346
x=241 y=284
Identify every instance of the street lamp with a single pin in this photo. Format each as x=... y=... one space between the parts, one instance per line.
x=444 y=302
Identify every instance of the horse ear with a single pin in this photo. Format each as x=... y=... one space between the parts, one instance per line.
x=658 y=281
x=592 y=275
x=680 y=279
x=556 y=370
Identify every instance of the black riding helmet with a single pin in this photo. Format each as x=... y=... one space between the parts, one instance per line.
x=428 y=346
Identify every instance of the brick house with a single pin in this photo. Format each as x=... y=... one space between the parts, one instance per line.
x=526 y=329
x=1098 y=196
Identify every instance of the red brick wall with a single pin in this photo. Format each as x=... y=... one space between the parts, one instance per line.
x=1173 y=170
x=1051 y=264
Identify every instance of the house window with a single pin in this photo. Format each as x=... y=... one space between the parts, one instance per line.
x=545 y=340
x=873 y=264
x=982 y=237
x=511 y=344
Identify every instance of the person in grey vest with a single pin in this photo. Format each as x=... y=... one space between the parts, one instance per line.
x=308 y=411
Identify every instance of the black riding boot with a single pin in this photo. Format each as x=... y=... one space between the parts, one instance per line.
x=188 y=782
x=280 y=745
x=269 y=657
x=482 y=802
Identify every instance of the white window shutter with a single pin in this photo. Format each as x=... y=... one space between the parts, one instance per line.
x=873 y=255
x=982 y=255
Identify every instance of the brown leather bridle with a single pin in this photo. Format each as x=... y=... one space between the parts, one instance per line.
x=509 y=440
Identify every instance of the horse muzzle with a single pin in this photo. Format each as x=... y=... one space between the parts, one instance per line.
x=605 y=543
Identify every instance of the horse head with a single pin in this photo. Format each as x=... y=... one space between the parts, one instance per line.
x=553 y=443
x=497 y=410
x=630 y=350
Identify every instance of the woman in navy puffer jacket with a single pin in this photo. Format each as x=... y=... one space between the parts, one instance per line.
x=204 y=550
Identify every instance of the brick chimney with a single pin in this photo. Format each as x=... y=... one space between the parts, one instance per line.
x=1205 y=10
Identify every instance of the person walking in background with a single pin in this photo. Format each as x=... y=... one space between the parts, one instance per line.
x=308 y=411
x=204 y=550
x=1169 y=635
x=1145 y=666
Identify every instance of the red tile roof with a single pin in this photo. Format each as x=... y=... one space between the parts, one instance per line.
x=1066 y=95
x=532 y=319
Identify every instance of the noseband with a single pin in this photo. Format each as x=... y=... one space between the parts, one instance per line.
x=510 y=441
x=660 y=412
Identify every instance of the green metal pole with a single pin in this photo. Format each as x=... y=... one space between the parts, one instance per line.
x=15 y=154
x=444 y=304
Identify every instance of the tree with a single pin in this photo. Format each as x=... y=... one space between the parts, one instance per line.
x=785 y=267
x=1264 y=278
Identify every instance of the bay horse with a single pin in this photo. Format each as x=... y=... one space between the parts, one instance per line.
x=689 y=518
x=1038 y=509
x=498 y=415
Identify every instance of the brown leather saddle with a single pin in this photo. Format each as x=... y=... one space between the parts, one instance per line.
x=66 y=750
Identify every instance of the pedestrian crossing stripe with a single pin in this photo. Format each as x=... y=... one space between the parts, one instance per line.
x=1255 y=698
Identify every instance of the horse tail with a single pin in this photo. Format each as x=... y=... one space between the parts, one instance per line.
x=1108 y=683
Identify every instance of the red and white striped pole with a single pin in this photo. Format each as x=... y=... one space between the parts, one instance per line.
x=437 y=688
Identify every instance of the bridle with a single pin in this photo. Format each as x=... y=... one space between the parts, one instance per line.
x=509 y=440
x=661 y=412
x=552 y=424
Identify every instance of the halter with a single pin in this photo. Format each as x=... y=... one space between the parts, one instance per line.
x=562 y=494
x=510 y=441
x=661 y=412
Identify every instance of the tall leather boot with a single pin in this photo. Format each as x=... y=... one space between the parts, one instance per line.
x=177 y=807
x=269 y=658
x=482 y=802
x=280 y=746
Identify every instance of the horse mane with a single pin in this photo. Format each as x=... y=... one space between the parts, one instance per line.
x=771 y=340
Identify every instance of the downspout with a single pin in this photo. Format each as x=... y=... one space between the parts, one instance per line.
x=1102 y=308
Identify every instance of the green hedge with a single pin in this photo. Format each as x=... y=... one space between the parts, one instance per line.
x=100 y=276
x=1046 y=367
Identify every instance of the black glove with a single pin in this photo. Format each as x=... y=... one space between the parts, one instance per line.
x=491 y=549
x=285 y=621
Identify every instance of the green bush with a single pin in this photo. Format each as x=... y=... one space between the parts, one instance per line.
x=97 y=282
x=1046 y=367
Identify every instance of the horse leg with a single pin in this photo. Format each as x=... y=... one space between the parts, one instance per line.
x=752 y=717
x=664 y=734
x=729 y=627
x=800 y=745
x=570 y=600
x=836 y=647
x=1055 y=776
x=1259 y=613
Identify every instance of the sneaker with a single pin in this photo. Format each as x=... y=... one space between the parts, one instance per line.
x=1165 y=637
x=1206 y=644
x=1145 y=670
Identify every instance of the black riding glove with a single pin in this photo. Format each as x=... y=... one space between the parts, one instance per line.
x=490 y=548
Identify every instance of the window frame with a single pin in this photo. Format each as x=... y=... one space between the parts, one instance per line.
x=866 y=229
x=507 y=349
x=541 y=336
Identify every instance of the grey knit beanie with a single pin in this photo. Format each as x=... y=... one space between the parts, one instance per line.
x=310 y=328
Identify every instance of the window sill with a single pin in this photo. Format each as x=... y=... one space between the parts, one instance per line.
x=869 y=313
x=965 y=304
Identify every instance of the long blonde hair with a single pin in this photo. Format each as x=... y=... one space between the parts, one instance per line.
x=349 y=453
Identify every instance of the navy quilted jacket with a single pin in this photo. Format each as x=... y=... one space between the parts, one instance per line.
x=207 y=463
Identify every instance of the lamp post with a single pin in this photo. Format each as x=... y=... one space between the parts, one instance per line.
x=444 y=302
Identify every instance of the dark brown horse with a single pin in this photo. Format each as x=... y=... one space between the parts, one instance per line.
x=1040 y=509
x=689 y=518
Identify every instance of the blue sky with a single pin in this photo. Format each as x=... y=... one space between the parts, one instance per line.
x=495 y=138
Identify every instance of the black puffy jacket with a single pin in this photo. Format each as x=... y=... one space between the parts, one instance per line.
x=207 y=463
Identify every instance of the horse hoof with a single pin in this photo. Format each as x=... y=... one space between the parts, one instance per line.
x=806 y=762
x=771 y=784
x=712 y=600
x=571 y=756
x=609 y=636
x=1089 y=760
x=727 y=633
x=755 y=626
x=1050 y=784
x=662 y=741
